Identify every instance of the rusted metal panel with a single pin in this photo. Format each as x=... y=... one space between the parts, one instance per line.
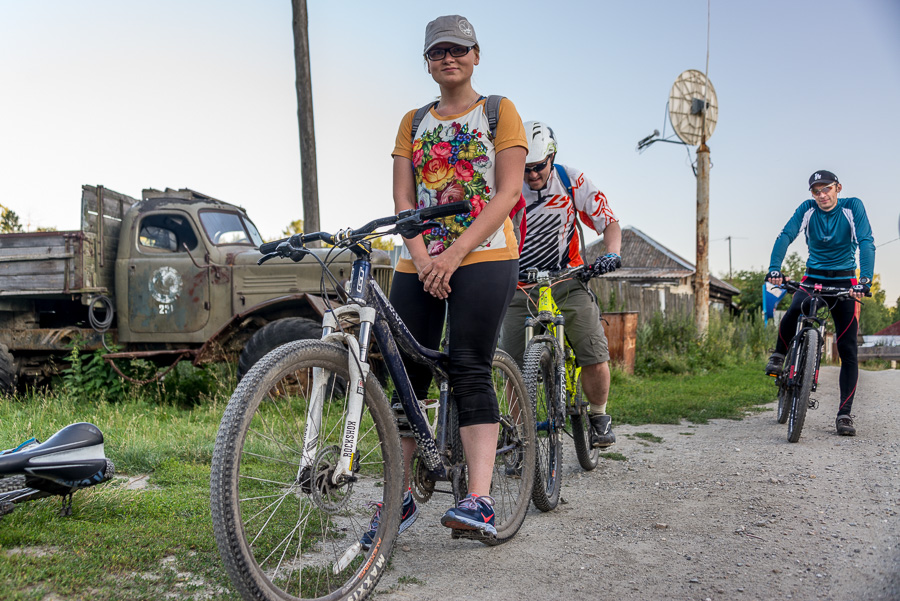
x=53 y=339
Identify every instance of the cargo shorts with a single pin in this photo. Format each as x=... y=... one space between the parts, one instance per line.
x=577 y=303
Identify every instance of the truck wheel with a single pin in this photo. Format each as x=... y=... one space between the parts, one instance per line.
x=7 y=371
x=274 y=334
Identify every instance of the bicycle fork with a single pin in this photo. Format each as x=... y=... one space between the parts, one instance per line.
x=357 y=361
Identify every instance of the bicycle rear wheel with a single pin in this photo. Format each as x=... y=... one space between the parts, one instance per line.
x=806 y=364
x=510 y=489
x=543 y=388
x=588 y=455
x=284 y=533
x=784 y=403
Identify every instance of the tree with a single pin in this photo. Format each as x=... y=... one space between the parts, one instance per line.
x=750 y=283
x=9 y=221
x=295 y=227
x=874 y=315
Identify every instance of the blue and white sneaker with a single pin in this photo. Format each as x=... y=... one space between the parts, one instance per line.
x=472 y=513
x=408 y=515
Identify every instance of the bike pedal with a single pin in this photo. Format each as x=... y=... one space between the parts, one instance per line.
x=478 y=535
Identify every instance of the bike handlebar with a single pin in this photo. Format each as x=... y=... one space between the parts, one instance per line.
x=533 y=276
x=824 y=290
x=407 y=223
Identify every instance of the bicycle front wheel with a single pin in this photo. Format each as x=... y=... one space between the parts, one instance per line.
x=291 y=533
x=588 y=455
x=543 y=388
x=806 y=364
x=510 y=485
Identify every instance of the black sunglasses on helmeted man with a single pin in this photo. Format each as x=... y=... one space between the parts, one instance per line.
x=539 y=167
x=436 y=54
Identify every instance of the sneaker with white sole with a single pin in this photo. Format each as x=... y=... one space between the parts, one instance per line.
x=472 y=513
x=408 y=515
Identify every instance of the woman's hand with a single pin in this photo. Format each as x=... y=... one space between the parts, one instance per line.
x=437 y=273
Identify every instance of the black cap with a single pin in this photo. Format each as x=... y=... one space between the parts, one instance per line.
x=822 y=177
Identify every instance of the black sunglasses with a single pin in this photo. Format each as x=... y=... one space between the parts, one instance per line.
x=538 y=167
x=436 y=54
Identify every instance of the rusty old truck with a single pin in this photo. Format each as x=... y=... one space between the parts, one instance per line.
x=169 y=277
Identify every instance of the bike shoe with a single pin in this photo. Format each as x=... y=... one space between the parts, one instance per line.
x=408 y=515
x=601 y=431
x=472 y=513
x=773 y=367
x=844 y=425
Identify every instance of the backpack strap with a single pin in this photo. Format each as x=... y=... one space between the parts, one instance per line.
x=567 y=183
x=491 y=109
x=417 y=118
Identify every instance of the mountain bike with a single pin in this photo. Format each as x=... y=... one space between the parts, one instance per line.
x=309 y=442
x=799 y=376
x=70 y=460
x=553 y=381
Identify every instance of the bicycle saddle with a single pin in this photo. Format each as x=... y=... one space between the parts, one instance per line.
x=71 y=459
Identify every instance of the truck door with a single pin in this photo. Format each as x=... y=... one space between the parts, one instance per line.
x=167 y=291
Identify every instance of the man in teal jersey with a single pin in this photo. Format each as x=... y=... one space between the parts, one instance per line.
x=835 y=228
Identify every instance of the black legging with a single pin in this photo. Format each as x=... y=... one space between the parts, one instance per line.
x=846 y=322
x=481 y=292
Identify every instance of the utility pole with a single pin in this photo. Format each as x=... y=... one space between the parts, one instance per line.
x=701 y=277
x=730 y=277
x=308 y=170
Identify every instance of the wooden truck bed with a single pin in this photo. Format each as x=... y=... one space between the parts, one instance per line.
x=48 y=264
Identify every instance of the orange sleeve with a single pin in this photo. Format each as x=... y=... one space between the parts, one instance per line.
x=403 y=143
x=510 y=131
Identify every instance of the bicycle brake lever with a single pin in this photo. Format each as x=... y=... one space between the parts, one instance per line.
x=266 y=258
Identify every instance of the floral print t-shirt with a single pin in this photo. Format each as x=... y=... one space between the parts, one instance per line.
x=453 y=158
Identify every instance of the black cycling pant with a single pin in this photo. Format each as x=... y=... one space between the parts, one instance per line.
x=480 y=294
x=846 y=322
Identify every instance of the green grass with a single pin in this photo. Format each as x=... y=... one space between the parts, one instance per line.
x=158 y=541
x=116 y=543
x=725 y=393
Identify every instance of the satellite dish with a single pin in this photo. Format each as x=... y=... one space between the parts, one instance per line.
x=687 y=107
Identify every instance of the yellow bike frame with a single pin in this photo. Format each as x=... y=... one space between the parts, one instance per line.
x=546 y=304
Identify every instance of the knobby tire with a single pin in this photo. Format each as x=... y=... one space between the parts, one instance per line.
x=541 y=382
x=511 y=488
x=806 y=363
x=282 y=535
x=588 y=455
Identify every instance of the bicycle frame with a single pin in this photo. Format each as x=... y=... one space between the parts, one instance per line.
x=551 y=318
x=376 y=315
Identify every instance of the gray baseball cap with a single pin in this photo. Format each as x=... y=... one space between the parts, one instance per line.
x=450 y=28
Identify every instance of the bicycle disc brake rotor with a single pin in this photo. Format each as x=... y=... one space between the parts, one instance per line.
x=328 y=496
x=422 y=486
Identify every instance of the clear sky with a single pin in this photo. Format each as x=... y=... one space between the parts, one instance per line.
x=200 y=94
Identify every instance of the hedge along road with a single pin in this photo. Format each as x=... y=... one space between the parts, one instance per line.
x=727 y=510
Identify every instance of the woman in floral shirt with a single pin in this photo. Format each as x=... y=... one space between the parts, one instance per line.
x=471 y=260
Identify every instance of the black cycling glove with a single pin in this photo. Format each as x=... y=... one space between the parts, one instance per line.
x=774 y=275
x=605 y=264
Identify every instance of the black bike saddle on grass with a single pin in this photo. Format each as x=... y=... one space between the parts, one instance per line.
x=71 y=459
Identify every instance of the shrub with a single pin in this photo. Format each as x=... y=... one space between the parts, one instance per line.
x=672 y=344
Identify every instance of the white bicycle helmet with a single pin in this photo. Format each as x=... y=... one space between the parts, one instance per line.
x=541 y=141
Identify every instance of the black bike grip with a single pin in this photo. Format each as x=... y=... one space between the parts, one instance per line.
x=453 y=208
x=269 y=247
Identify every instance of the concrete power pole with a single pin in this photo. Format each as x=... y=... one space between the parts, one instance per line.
x=308 y=171
x=701 y=278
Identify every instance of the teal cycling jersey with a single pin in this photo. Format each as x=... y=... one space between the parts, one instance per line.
x=831 y=236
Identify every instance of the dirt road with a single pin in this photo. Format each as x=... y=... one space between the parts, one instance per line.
x=723 y=511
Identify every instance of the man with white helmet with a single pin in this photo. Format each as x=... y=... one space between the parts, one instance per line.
x=557 y=196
